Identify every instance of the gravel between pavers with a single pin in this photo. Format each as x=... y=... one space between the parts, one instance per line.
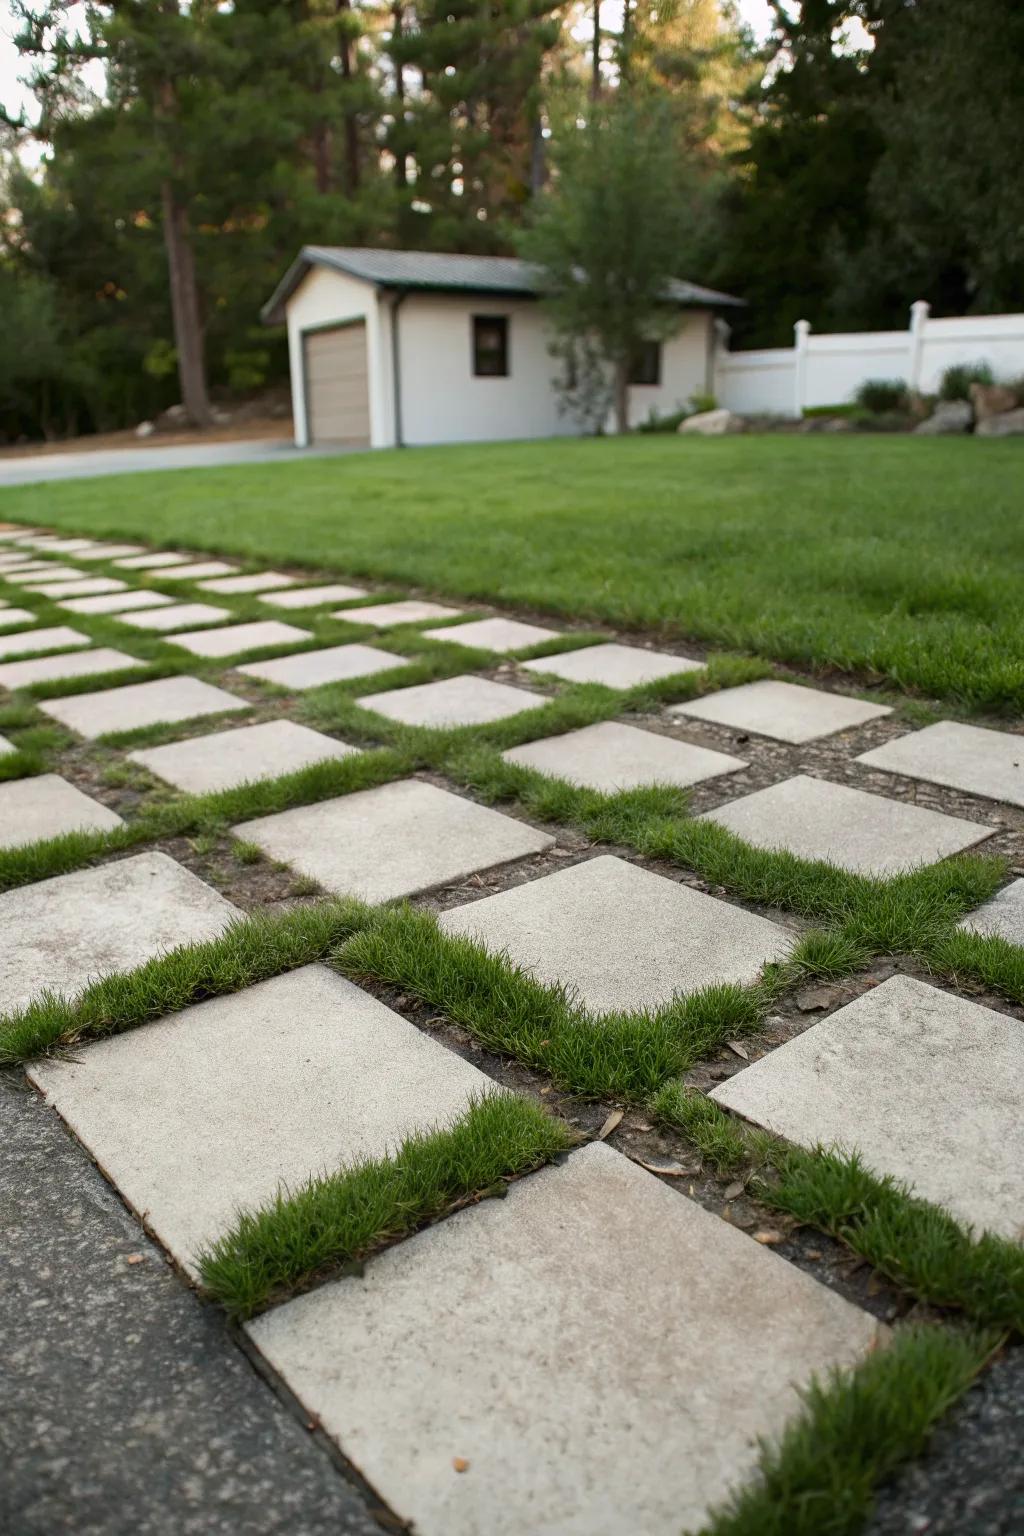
x=128 y=1409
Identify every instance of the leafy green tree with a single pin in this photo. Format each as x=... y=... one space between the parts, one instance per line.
x=608 y=233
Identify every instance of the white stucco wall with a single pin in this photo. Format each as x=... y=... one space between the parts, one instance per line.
x=323 y=298
x=441 y=399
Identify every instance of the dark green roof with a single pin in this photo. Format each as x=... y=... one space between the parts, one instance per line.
x=440 y=272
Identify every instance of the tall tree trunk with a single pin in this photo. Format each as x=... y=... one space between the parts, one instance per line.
x=595 y=54
x=351 y=123
x=622 y=396
x=188 y=330
x=401 y=164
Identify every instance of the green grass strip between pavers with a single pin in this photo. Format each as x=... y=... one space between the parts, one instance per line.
x=342 y=1218
x=251 y=949
x=856 y=1427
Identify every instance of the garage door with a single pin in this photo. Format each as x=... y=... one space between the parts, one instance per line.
x=337 y=385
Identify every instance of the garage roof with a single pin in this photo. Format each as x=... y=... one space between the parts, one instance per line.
x=441 y=272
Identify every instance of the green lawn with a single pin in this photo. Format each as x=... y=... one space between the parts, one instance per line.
x=890 y=558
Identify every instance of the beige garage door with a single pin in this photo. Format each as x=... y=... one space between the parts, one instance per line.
x=337 y=385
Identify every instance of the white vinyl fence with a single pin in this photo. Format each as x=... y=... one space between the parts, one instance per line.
x=827 y=370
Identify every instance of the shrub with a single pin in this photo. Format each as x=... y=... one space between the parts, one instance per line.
x=882 y=395
x=699 y=403
x=669 y=423
x=957 y=380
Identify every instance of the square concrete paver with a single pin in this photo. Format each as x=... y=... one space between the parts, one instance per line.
x=60 y=935
x=177 y=616
x=501 y=635
x=198 y=568
x=108 y=551
x=539 y=1369
x=58 y=638
x=48 y=806
x=407 y=611
x=392 y=841
x=868 y=834
x=161 y=702
x=989 y=763
x=153 y=562
x=89 y=586
x=63 y=546
x=616 y=666
x=258 y=581
x=334 y=664
x=783 y=711
x=116 y=602
x=9 y=617
x=226 y=758
x=217 y=1107
x=47 y=669
x=1002 y=917
x=610 y=757
x=925 y=1085
x=312 y=597
x=619 y=936
x=26 y=574
x=464 y=700
x=234 y=638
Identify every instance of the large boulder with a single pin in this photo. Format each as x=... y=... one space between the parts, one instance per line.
x=1008 y=424
x=713 y=423
x=950 y=416
x=991 y=400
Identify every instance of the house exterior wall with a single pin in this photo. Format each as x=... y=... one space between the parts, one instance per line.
x=327 y=298
x=441 y=399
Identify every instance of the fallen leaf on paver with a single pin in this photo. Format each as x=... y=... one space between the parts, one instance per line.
x=741 y=1050
x=769 y=1237
x=610 y=1124
x=460 y=1464
x=135 y=1258
x=734 y=1190
x=670 y=1168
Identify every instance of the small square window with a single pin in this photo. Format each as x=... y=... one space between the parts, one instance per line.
x=646 y=367
x=490 y=346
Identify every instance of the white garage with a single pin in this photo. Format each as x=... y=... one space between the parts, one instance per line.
x=414 y=347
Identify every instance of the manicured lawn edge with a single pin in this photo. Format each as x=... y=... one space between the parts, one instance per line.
x=342 y=1218
x=856 y=1427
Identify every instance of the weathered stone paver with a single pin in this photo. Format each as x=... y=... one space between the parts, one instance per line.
x=646 y=1429
x=197 y=568
x=620 y=936
x=405 y=611
x=88 y=586
x=982 y=762
x=1002 y=917
x=924 y=1084
x=609 y=757
x=62 y=934
x=224 y=759
x=153 y=562
x=501 y=635
x=26 y=574
x=116 y=602
x=58 y=638
x=48 y=806
x=334 y=664
x=161 y=702
x=392 y=841
x=232 y=639
x=616 y=666
x=9 y=562
x=259 y=581
x=108 y=551
x=313 y=597
x=107 y=1348
x=783 y=711
x=466 y=700
x=63 y=546
x=214 y=1108
x=47 y=669
x=177 y=616
x=868 y=834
